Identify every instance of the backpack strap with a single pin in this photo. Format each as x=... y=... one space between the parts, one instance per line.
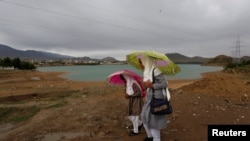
x=153 y=79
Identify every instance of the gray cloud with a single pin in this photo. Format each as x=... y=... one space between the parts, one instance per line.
x=104 y=28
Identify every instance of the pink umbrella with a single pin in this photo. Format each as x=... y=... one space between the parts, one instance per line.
x=115 y=78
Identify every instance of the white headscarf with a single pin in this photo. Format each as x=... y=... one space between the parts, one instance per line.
x=149 y=65
x=129 y=84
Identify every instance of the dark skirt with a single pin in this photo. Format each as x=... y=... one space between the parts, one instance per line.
x=134 y=106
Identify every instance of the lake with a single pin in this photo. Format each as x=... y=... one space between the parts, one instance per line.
x=100 y=72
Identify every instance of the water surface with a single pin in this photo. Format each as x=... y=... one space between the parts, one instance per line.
x=101 y=72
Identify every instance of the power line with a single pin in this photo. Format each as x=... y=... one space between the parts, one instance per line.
x=37 y=28
x=45 y=29
x=75 y=17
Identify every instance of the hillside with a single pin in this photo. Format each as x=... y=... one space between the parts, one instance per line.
x=220 y=60
x=6 y=51
x=181 y=59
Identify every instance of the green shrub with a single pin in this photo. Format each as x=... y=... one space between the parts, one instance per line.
x=17 y=114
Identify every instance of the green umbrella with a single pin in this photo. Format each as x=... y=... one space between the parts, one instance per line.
x=166 y=65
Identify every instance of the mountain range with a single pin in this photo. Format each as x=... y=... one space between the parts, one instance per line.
x=7 y=51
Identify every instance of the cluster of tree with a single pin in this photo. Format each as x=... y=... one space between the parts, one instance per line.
x=16 y=63
x=243 y=66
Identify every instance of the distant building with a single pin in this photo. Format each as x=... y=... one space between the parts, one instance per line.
x=7 y=68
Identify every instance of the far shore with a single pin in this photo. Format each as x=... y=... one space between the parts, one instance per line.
x=173 y=83
x=29 y=82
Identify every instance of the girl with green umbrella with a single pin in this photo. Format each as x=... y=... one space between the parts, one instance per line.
x=152 y=123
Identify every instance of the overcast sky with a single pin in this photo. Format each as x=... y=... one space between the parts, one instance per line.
x=101 y=28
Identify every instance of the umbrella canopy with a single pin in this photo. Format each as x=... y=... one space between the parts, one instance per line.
x=115 y=78
x=166 y=65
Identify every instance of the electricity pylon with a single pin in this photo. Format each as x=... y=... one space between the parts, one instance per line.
x=236 y=56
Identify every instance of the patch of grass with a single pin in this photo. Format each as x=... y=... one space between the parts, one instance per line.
x=17 y=114
x=58 y=104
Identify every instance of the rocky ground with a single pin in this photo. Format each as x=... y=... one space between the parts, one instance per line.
x=79 y=111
